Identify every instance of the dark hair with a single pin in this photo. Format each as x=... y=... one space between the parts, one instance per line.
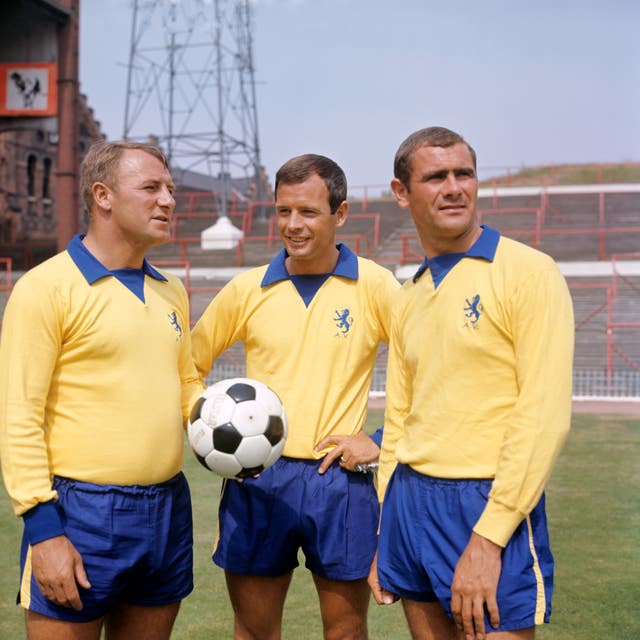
x=102 y=162
x=429 y=137
x=300 y=168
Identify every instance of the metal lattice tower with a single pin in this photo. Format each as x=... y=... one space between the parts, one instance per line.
x=191 y=86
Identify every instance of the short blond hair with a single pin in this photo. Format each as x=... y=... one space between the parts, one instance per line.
x=102 y=162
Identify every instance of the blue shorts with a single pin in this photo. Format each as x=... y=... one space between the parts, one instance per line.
x=136 y=544
x=426 y=525
x=264 y=521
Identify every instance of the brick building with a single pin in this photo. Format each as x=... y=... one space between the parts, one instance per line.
x=28 y=184
x=45 y=126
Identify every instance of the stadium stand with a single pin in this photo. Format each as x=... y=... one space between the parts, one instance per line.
x=593 y=233
x=589 y=224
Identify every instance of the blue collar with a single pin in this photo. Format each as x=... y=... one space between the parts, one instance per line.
x=347 y=266
x=484 y=247
x=94 y=270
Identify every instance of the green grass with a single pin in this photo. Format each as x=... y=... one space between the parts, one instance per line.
x=594 y=512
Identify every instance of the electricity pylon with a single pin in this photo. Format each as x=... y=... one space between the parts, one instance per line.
x=191 y=86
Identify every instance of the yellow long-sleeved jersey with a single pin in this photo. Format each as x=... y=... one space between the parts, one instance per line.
x=318 y=358
x=94 y=382
x=479 y=377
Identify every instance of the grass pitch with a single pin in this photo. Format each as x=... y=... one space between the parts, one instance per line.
x=593 y=506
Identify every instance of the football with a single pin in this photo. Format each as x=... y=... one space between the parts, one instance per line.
x=237 y=427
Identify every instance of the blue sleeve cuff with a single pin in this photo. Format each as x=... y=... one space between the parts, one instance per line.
x=377 y=436
x=43 y=522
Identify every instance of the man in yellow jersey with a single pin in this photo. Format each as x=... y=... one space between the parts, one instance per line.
x=478 y=406
x=96 y=379
x=311 y=322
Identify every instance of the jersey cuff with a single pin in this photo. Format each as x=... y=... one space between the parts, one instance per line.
x=42 y=522
x=497 y=523
x=377 y=436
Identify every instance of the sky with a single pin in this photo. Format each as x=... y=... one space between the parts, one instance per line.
x=526 y=83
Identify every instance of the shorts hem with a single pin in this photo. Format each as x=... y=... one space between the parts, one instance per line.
x=161 y=602
x=517 y=625
x=78 y=616
x=71 y=616
x=253 y=571
x=349 y=577
x=416 y=596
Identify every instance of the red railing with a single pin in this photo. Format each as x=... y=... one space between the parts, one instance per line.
x=366 y=189
x=611 y=325
x=354 y=240
x=581 y=322
x=408 y=254
x=601 y=233
x=533 y=233
x=240 y=249
x=375 y=230
x=251 y=211
x=183 y=244
x=209 y=198
x=615 y=259
x=273 y=234
x=537 y=212
x=181 y=264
